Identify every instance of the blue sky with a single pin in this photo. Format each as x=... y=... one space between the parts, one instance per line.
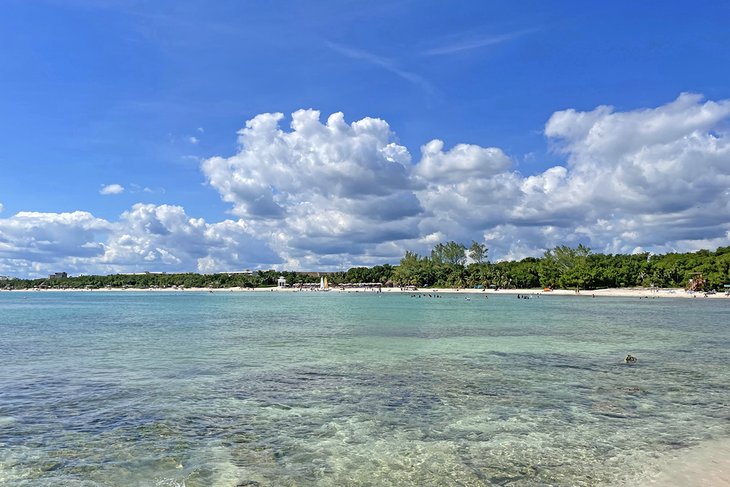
x=141 y=97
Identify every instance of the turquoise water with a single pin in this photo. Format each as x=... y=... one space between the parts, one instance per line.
x=233 y=389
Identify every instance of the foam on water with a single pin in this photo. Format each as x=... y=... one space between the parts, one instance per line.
x=244 y=389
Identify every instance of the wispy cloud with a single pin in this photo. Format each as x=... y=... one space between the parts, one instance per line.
x=467 y=44
x=384 y=63
x=136 y=188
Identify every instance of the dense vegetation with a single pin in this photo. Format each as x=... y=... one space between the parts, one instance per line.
x=567 y=268
x=161 y=280
x=562 y=267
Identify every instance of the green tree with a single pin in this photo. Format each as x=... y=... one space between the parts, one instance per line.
x=565 y=266
x=477 y=252
x=449 y=253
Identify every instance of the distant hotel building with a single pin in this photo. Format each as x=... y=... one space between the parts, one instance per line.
x=58 y=275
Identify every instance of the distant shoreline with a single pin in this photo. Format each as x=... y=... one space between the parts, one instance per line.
x=642 y=293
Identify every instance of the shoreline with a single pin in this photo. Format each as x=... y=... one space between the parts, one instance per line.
x=641 y=293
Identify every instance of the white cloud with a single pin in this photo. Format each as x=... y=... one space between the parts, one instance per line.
x=45 y=240
x=111 y=189
x=461 y=162
x=147 y=237
x=655 y=175
x=332 y=188
x=150 y=236
x=650 y=178
x=136 y=188
x=330 y=194
x=193 y=140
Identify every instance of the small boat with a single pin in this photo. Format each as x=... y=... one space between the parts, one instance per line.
x=323 y=284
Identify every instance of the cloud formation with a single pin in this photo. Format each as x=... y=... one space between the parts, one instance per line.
x=152 y=237
x=332 y=188
x=147 y=237
x=648 y=179
x=111 y=189
x=33 y=242
x=331 y=194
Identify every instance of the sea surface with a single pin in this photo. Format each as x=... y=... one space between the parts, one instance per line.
x=336 y=389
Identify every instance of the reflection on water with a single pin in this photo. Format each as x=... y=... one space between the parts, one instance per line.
x=335 y=389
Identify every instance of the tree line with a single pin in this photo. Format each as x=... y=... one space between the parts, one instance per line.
x=160 y=280
x=452 y=264
x=565 y=268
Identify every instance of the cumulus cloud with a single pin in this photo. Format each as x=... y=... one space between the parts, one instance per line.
x=146 y=237
x=646 y=177
x=349 y=192
x=32 y=242
x=330 y=194
x=150 y=236
x=111 y=189
x=321 y=188
x=193 y=140
x=653 y=178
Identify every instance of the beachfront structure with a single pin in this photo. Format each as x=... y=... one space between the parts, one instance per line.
x=281 y=282
x=58 y=275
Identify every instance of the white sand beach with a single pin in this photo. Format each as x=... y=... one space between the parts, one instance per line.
x=643 y=293
x=639 y=293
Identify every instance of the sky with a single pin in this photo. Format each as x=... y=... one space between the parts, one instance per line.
x=191 y=136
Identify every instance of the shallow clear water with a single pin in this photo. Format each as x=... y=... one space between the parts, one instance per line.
x=229 y=389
